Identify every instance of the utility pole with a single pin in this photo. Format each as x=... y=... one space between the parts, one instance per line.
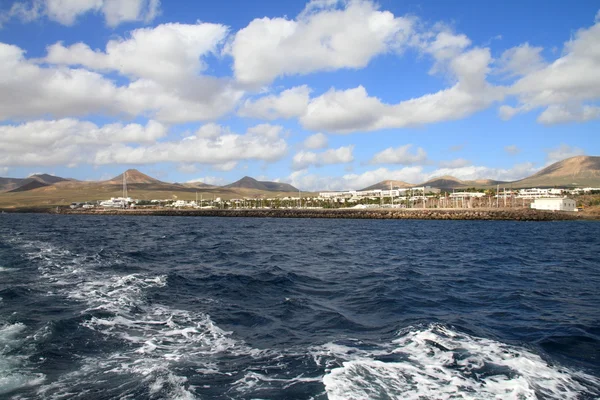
x=497 y=196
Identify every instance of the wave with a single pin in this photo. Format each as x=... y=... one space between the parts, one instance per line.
x=438 y=362
x=15 y=373
x=156 y=344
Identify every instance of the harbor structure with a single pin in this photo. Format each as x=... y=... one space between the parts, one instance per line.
x=554 y=204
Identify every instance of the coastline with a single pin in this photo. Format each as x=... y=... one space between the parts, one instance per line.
x=501 y=214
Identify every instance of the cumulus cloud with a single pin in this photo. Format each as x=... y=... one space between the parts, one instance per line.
x=73 y=142
x=28 y=90
x=66 y=12
x=209 y=180
x=258 y=143
x=167 y=53
x=287 y=104
x=68 y=141
x=561 y=152
x=313 y=182
x=316 y=141
x=521 y=60
x=400 y=155
x=456 y=163
x=564 y=87
x=304 y=159
x=561 y=113
x=512 y=149
x=474 y=172
x=354 y=110
x=323 y=37
x=413 y=174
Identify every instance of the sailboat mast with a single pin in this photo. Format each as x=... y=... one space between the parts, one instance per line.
x=124 y=185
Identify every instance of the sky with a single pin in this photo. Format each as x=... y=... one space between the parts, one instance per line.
x=322 y=94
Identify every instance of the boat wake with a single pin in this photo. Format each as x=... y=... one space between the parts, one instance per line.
x=441 y=363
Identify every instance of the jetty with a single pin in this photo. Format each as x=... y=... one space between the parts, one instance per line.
x=522 y=214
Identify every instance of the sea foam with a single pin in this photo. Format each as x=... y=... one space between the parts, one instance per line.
x=14 y=371
x=441 y=363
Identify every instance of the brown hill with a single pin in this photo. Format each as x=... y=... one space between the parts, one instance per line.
x=8 y=184
x=445 y=182
x=24 y=184
x=32 y=184
x=48 y=179
x=575 y=171
x=251 y=183
x=133 y=176
x=385 y=185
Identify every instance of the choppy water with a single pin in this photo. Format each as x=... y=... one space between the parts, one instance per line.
x=213 y=308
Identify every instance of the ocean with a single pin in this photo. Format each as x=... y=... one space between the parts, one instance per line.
x=105 y=307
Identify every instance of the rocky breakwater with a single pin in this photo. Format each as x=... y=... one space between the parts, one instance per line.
x=436 y=214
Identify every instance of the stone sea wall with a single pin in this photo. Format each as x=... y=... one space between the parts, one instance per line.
x=437 y=214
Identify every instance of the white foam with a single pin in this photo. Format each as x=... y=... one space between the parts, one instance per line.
x=14 y=372
x=158 y=338
x=439 y=363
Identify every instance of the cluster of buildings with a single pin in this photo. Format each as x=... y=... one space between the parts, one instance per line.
x=423 y=196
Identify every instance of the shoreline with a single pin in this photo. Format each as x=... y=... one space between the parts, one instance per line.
x=508 y=214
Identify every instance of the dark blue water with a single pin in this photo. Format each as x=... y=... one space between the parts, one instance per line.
x=226 y=308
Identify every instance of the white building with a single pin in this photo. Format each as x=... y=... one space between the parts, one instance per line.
x=466 y=195
x=554 y=204
x=536 y=193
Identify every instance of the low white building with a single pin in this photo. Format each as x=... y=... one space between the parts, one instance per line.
x=554 y=204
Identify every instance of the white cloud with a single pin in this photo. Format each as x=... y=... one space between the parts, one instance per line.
x=288 y=104
x=474 y=172
x=209 y=180
x=565 y=85
x=66 y=12
x=168 y=53
x=354 y=110
x=400 y=155
x=304 y=159
x=187 y=168
x=521 y=60
x=302 y=179
x=68 y=141
x=74 y=142
x=456 y=163
x=562 y=152
x=323 y=37
x=557 y=114
x=414 y=174
x=512 y=149
x=28 y=90
x=316 y=141
x=258 y=143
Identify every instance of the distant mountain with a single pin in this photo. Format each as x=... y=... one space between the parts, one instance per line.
x=134 y=176
x=445 y=182
x=385 y=185
x=279 y=186
x=574 y=171
x=251 y=183
x=32 y=184
x=48 y=179
x=198 y=185
x=24 y=184
x=8 y=184
x=484 y=182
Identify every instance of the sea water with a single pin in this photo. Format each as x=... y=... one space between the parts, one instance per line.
x=105 y=307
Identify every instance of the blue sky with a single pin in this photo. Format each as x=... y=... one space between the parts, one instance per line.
x=323 y=94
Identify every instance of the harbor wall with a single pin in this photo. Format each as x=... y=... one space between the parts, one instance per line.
x=434 y=214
